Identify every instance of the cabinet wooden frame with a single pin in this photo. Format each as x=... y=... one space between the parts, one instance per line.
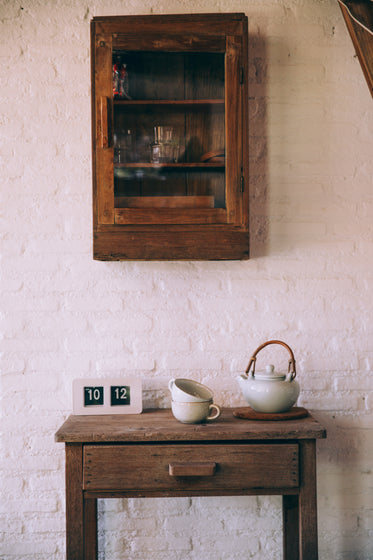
x=195 y=225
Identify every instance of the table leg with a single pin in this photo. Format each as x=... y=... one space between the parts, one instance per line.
x=308 y=546
x=90 y=529
x=290 y=513
x=74 y=502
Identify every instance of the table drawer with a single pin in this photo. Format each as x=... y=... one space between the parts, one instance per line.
x=191 y=467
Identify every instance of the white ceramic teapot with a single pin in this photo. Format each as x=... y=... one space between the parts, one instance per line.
x=269 y=391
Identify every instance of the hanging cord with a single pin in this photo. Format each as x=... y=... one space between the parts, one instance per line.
x=355 y=19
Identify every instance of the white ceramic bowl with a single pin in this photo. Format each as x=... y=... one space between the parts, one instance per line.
x=195 y=412
x=187 y=390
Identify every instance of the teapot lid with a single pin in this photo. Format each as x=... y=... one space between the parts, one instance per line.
x=270 y=373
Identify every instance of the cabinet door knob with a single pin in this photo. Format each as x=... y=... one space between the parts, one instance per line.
x=191 y=469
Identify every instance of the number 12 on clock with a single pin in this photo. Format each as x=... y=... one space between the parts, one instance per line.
x=120 y=395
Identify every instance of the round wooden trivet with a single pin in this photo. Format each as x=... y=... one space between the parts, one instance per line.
x=248 y=413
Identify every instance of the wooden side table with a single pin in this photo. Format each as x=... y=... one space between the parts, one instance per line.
x=152 y=454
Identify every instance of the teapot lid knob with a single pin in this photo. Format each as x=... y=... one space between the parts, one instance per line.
x=270 y=368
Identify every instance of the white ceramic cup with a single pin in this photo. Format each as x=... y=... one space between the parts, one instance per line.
x=195 y=412
x=186 y=390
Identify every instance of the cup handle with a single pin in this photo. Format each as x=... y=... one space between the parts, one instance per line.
x=171 y=384
x=217 y=413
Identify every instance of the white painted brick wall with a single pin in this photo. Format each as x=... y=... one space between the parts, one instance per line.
x=309 y=281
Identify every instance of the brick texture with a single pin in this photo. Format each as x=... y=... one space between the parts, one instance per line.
x=309 y=282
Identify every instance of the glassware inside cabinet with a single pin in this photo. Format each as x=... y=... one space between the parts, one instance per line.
x=169 y=130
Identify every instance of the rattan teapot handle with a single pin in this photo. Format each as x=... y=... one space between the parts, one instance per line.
x=291 y=367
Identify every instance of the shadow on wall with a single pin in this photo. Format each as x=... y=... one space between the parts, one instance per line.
x=291 y=149
x=258 y=145
x=344 y=486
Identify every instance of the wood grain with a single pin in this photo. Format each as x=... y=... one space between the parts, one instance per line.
x=140 y=468
x=152 y=454
x=250 y=414
x=209 y=24
x=74 y=502
x=191 y=75
x=169 y=42
x=170 y=215
x=290 y=517
x=164 y=202
x=160 y=425
x=162 y=243
x=169 y=102
x=90 y=529
x=233 y=129
x=102 y=143
x=308 y=503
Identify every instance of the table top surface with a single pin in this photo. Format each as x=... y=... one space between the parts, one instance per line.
x=161 y=426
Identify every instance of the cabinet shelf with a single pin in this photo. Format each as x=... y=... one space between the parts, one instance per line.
x=183 y=102
x=206 y=165
x=164 y=202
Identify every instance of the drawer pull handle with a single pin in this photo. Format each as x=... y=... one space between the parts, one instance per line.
x=191 y=469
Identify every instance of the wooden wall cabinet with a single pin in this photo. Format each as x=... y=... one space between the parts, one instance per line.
x=170 y=137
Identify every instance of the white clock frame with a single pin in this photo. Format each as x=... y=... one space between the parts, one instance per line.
x=133 y=407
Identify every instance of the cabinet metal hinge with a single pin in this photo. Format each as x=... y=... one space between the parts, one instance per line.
x=242 y=184
x=241 y=75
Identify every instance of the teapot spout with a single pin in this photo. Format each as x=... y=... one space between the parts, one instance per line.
x=241 y=379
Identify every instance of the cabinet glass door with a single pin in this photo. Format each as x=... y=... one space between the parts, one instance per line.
x=169 y=137
x=165 y=153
